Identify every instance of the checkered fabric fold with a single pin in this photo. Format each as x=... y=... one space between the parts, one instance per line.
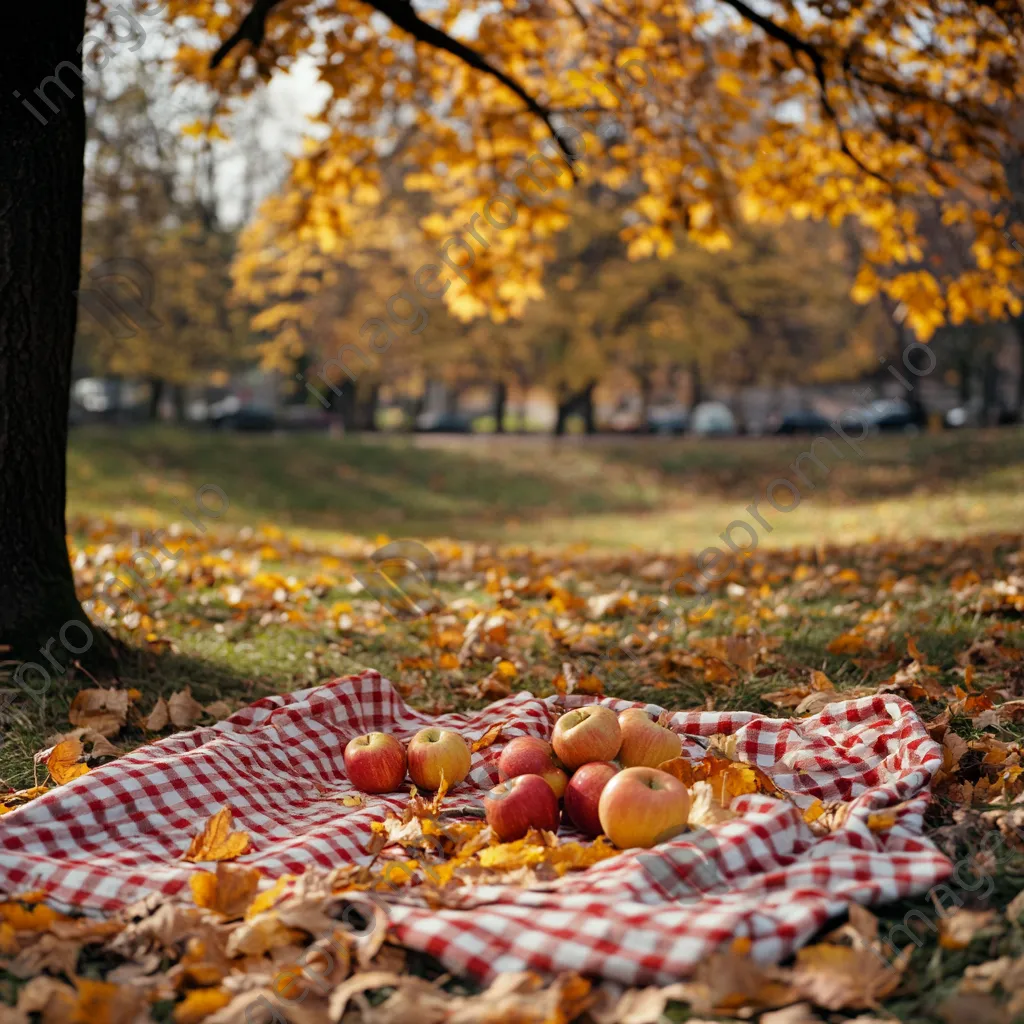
x=643 y=917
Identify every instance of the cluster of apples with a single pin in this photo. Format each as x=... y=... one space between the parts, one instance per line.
x=636 y=805
x=377 y=762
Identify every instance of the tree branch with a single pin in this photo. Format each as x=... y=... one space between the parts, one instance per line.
x=405 y=17
x=252 y=28
x=798 y=45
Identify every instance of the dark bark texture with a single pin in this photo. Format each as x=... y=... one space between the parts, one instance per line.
x=41 y=167
x=500 y=404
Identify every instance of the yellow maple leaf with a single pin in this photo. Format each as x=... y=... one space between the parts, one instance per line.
x=217 y=841
x=199 y=1004
x=64 y=762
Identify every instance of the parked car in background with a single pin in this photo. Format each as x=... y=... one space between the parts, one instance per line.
x=805 y=422
x=667 y=419
x=444 y=423
x=230 y=414
x=892 y=415
x=713 y=419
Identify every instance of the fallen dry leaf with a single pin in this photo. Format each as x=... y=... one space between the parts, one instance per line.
x=218 y=710
x=199 y=1004
x=957 y=930
x=104 y=711
x=217 y=841
x=228 y=891
x=159 y=718
x=64 y=762
x=93 y=744
x=487 y=738
x=845 y=978
x=183 y=709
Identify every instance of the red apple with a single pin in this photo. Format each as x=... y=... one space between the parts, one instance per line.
x=587 y=734
x=433 y=751
x=527 y=755
x=645 y=743
x=524 y=802
x=584 y=792
x=375 y=763
x=643 y=807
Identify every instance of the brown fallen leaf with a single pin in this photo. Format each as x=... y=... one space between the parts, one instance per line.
x=105 y=711
x=638 y=1005
x=93 y=744
x=798 y=1013
x=730 y=982
x=959 y=929
x=218 y=710
x=845 y=978
x=183 y=709
x=217 y=841
x=159 y=718
x=64 y=763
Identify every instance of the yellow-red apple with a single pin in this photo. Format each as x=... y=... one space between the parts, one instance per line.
x=375 y=762
x=645 y=743
x=512 y=808
x=433 y=751
x=583 y=794
x=527 y=755
x=643 y=807
x=589 y=733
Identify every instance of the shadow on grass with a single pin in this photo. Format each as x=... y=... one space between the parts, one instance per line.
x=28 y=723
x=472 y=487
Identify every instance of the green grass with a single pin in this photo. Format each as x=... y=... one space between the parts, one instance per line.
x=655 y=493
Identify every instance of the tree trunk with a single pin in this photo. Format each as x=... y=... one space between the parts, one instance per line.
x=1018 y=327
x=587 y=407
x=581 y=402
x=989 y=390
x=964 y=373
x=500 y=402
x=368 y=407
x=41 y=168
x=178 y=398
x=156 y=394
x=646 y=389
x=696 y=384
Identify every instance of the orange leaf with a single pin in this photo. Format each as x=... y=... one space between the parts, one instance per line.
x=681 y=769
x=846 y=643
x=488 y=738
x=199 y=1004
x=217 y=841
x=881 y=821
x=229 y=891
x=64 y=764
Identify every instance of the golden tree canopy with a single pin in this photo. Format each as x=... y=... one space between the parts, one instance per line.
x=699 y=112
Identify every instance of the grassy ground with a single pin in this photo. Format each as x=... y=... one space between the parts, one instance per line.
x=673 y=493
x=903 y=575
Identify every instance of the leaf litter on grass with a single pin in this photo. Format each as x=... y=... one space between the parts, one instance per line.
x=787 y=632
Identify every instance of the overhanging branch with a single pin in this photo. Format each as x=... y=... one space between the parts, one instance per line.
x=798 y=45
x=402 y=14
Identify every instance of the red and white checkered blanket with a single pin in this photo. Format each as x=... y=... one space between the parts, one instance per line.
x=119 y=832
